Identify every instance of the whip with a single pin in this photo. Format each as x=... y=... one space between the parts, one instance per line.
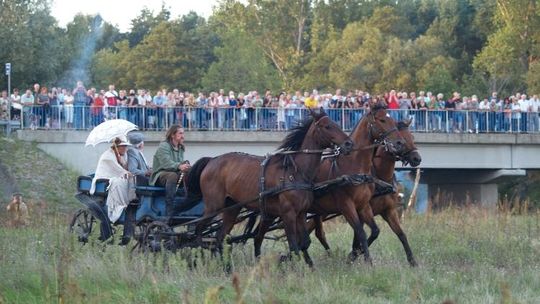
x=179 y=182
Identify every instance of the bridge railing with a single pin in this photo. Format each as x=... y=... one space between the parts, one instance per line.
x=270 y=119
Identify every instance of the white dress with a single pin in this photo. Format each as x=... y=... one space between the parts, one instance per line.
x=121 y=189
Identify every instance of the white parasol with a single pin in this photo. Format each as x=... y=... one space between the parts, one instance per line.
x=108 y=130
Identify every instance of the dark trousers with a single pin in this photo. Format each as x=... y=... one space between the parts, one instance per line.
x=129 y=224
x=169 y=181
x=142 y=180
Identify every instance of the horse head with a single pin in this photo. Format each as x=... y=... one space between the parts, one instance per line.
x=328 y=133
x=383 y=129
x=410 y=153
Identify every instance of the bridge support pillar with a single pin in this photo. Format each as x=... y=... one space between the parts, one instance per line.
x=461 y=186
x=442 y=195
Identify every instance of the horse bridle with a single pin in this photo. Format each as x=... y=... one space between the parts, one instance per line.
x=402 y=157
x=336 y=150
x=382 y=138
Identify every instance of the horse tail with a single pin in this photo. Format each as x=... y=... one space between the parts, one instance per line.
x=193 y=182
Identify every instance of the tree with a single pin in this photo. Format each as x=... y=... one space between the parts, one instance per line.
x=175 y=54
x=86 y=35
x=15 y=16
x=144 y=23
x=359 y=53
x=241 y=66
x=279 y=28
x=436 y=76
x=510 y=50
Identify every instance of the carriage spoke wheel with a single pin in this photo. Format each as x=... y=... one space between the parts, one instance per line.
x=139 y=235
x=158 y=236
x=81 y=225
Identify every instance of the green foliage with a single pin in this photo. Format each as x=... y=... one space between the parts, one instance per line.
x=174 y=54
x=369 y=45
x=39 y=177
x=506 y=57
x=241 y=66
x=86 y=36
x=436 y=76
x=358 y=54
x=533 y=77
x=522 y=190
x=144 y=23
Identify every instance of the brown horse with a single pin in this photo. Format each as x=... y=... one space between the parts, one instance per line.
x=232 y=181
x=353 y=200
x=386 y=205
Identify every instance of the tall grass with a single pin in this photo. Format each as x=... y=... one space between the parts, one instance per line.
x=466 y=256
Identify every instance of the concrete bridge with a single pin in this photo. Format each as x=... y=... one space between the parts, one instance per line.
x=465 y=166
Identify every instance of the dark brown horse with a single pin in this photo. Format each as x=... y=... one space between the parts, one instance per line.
x=353 y=200
x=386 y=205
x=234 y=180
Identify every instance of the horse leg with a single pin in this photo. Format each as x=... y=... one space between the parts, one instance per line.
x=392 y=218
x=203 y=224
x=262 y=228
x=303 y=237
x=319 y=232
x=367 y=216
x=289 y=223
x=373 y=226
x=229 y=219
x=360 y=239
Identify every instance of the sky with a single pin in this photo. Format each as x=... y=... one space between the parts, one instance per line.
x=121 y=12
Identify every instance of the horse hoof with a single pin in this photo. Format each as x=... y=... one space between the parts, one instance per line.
x=284 y=258
x=368 y=261
x=352 y=257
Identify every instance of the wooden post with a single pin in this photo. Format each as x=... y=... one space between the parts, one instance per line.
x=412 y=198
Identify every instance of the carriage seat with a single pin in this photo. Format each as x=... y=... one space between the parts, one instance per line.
x=84 y=183
x=150 y=191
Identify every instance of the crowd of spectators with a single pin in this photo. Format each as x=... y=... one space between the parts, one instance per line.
x=84 y=108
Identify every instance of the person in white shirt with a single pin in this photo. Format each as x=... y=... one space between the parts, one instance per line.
x=524 y=106
x=16 y=106
x=68 y=109
x=516 y=115
x=27 y=101
x=535 y=108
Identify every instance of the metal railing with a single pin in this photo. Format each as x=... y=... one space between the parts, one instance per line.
x=269 y=119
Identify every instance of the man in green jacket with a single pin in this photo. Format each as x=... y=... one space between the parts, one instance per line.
x=169 y=164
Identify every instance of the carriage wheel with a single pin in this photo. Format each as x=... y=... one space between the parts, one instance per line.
x=139 y=235
x=81 y=225
x=159 y=235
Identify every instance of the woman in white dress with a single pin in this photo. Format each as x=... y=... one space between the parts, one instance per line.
x=112 y=165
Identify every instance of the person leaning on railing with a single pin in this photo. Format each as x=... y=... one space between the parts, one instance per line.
x=27 y=100
x=79 y=104
x=4 y=105
x=16 y=105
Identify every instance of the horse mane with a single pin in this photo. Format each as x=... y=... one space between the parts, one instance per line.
x=380 y=105
x=402 y=125
x=293 y=141
x=193 y=184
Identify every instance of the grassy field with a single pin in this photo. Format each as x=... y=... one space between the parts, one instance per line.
x=466 y=256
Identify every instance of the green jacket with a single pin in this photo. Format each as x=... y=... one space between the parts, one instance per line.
x=166 y=159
